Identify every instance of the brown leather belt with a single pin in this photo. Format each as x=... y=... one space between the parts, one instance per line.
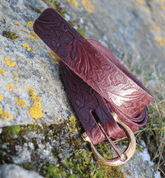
x=99 y=87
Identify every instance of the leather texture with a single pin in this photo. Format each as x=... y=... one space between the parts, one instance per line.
x=96 y=82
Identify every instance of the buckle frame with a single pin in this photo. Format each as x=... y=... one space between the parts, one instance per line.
x=122 y=157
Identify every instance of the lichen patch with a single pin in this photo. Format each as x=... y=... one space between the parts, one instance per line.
x=156 y=27
x=30 y=24
x=44 y=63
x=10 y=87
x=33 y=35
x=160 y=40
x=26 y=46
x=72 y=120
x=44 y=47
x=55 y=57
x=35 y=110
x=74 y=2
x=1 y=97
x=15 y=78
x=23 y=29
x=17 y=23
x=140 y=1
x=9 y=62
x=17 y=72
x=2 y=72
x=31 y=90
x=20 y=102
x=4 y=115
x=88 y=5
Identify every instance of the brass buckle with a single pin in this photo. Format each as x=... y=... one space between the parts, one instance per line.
x=122 y=158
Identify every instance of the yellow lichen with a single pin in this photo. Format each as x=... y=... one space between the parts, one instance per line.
x=44 y=63
x=15 y=78
x=55 y=57
x=140 y=1
x=72 y=121
x=4 y=115
x=159 y=0
x=72 y=118
x=33 y=35
x=44 y=47
x=35 y=110
x=37 y=100
x=23 y=29
x=1 y=97
x=2 y=72
x=156 y=27
x=74 y=2
x=20 y=102
x=88 y=5
x=17 y=23
x=26 y=46
x=30 y=36
x=2 y=50
x=31 y=90
x=30 y=24
x=17 y=72
x=9 y=62
x=160 y=40
x=163 y=6
x=10 y=87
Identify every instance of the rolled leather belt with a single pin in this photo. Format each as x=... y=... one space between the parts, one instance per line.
x=96 y=82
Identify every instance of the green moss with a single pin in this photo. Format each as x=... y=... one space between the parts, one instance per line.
x=10 y=35
x=56 y=5
x=102 y=149
x=12 y=130
x=71 y=22
x=81 y=32
x=56 y=152
x=81 y=162
x=54 y=172
x=82 y=166
x=36 y=9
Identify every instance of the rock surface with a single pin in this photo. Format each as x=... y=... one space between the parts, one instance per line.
x=30 y=86
x=35 y=148
x=31 y=91
x=14 y=171
x=132 y=29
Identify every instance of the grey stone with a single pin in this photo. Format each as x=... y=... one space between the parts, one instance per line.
x=128 y=25
x=31 y=134
x=14 y=171
x=30 y=65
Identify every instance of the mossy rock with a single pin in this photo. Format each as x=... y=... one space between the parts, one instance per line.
x=9 y=35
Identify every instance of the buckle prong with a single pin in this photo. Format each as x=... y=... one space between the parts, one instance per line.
x=110 y=140
x=122 y=158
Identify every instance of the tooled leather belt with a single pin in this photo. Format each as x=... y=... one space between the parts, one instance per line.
x=100 y=88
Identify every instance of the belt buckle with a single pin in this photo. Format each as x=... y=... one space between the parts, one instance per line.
x=122 y=158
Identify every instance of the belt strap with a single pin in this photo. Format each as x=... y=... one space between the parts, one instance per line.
x=97 y=83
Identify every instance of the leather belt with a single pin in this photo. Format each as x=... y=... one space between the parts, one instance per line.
x=102 y=91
